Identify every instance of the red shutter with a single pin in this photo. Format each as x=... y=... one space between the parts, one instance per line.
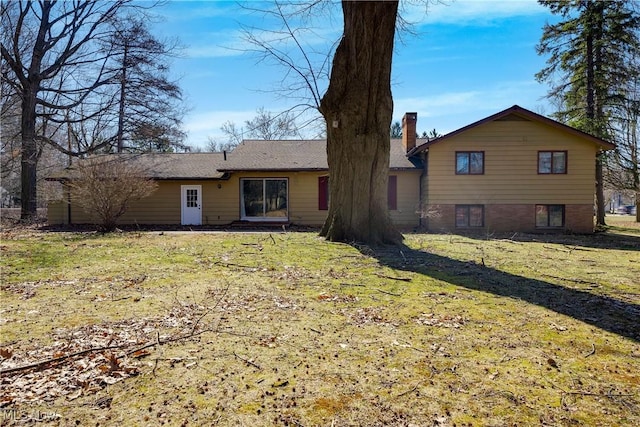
x=392 y=193
x=323 y=193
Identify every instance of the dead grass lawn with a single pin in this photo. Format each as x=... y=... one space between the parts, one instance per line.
x=286 y=329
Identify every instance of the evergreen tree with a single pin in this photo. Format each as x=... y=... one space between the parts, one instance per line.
x=149 y=113
x=396 y=130
x=588 y=66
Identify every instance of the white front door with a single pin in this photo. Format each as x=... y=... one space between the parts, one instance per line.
x=191 y=204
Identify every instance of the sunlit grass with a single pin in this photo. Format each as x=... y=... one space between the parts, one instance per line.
x=307 y=332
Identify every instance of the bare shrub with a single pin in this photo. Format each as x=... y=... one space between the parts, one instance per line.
x=104 y=187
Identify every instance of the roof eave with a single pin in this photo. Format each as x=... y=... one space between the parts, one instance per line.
x=523 y=112
x=273 y=169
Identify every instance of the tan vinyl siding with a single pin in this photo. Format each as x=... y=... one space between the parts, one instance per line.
x=511 y=166
x=408 y=191
x=57 y=212
x=221 y=201
x=161 y=207
x=302 y=200
x=164 y=205
x=303 y=196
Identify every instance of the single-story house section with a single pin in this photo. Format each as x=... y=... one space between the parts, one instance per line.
x=513 y=171
x=190 y=188
x=288 y=181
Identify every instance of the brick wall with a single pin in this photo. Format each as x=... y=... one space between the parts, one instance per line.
x=505 y=218
x=579 y=218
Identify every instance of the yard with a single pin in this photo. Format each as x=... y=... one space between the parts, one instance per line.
x=284 y=328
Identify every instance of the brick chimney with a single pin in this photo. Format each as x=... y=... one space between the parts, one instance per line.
x=409 y=131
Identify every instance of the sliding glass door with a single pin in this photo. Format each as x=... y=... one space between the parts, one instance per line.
x=264 y=199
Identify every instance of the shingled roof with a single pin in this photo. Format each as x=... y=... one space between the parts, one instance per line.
x=163 y=166
x=296 y=155
x=250 y=155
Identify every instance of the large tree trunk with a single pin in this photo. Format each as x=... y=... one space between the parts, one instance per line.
x=30 y=87
x=595 y=112
x=29 y=160
x=358 y=108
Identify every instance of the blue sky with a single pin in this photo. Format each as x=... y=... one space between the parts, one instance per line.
x=466 y=60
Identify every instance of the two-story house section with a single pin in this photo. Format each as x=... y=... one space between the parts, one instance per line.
x=513 y=171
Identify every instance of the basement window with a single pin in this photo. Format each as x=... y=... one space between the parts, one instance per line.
x=549 y=216
x=469 y=216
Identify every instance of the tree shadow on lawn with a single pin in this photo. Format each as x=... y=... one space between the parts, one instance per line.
x=599 y=240
x=604 y=312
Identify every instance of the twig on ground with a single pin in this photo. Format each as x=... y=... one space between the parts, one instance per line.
x=247 y=361
x=592 y=352
x=388 y=293
x=231 y=264
x=404 y=393
x=402 y=279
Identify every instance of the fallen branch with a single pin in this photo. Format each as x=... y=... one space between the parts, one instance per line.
x=402 y=279
x=588 y=393
x=243 y=266
x=57 y=360
x=564 y=393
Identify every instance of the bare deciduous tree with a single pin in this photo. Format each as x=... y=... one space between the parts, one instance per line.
x=64 y=60
x=51 y=67
x=265 y=125
x=105 y=186
x=622 y=171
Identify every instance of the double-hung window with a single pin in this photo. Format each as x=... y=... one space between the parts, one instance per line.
x=552 y=162
x=469 y=162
